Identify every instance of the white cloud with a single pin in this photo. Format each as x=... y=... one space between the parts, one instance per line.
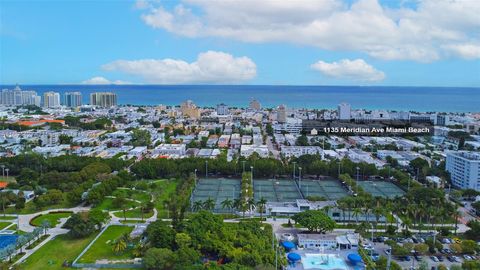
x=209 y=67
x=355 y=70
x=103 y=80
x=418 y=34
x=466 y=51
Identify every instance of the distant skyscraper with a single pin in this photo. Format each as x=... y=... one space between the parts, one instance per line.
x=282 y=114
x=103 y=99
x=51 y=99
x=17 y=97
x=344 y=111
x=255 y=105
x=222 y=109
x=73 y=99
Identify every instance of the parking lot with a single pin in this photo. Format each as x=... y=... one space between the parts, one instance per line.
x=444 y=256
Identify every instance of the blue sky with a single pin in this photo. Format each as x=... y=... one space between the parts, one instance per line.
x=340 y=43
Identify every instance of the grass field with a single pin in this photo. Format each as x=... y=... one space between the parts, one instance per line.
x=54 y=253
x=106 y=204
x=162 y=192
x=134 y=213
x=53 y=218
x=2 y=217
x=102 y=248
x=141 y=196
x=4 y=224
x=30 y=207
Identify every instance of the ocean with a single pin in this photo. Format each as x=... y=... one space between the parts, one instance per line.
x=422 y=99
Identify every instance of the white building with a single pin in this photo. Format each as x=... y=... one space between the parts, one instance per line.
x=464 y=169
x=281 y=114
x=247 y=150
x=51 y=99
x=222 y=109
x=165 y=149
x=344 y=111
x=328 y=241
x=18 y=97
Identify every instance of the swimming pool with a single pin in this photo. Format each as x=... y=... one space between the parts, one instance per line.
x=7 y=239
x=323 y=262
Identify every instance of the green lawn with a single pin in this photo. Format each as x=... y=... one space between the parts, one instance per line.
x=134 y=213
x=102 y=248
x=163 y=191
x=2 y=217
x=106 y=204
x=4 y=224
x=55 y=252
x=53 y=218
x=141 y=196
x=30 y=207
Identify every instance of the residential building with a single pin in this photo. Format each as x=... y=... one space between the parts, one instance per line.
x=248 y=149
x=464 y=169
x=18 y=97
x=51 y=99
x=282 y=114
x=72 y=99
x=344 y=111
x=189 y=109
x=103 y=99
x=222 y=109
x=255 y=105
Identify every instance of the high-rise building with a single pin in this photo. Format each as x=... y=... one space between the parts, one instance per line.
x=344 y=111
x=73 y=99
x=103 y=99
x=51 y=99
x=18 y=97
x=222 y=109
x=255 y=105
x=464 y=169
x=189 y=109
x=282 y=114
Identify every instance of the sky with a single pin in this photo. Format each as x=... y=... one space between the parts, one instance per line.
x=302 y=42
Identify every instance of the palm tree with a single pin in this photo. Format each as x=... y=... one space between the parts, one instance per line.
x=209 y=204
x=356 y=212
x=197 y=206
x=261 y=206
x=45 y=225
x=119 y=246
x=251 y=204
x=227 y=204
x=378 y=212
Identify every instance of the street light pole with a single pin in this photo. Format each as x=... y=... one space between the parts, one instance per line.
x=243 y=166
x=300 y=177
x=206 y=168
x=251 y=176
x=358 y=169
x=294 y=163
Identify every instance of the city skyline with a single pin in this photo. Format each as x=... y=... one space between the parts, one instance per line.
x=191 y=43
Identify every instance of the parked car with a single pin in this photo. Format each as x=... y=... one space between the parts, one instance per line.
x=450 y=259
x=433 y=258
x=418 y=258
x=440 y=258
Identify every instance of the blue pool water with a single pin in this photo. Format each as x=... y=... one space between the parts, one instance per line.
x=7 y=239
x=323 y=262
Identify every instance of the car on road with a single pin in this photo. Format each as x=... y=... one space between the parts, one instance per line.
x=388 y=251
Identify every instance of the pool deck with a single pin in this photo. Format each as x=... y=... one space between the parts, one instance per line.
x=340 y=253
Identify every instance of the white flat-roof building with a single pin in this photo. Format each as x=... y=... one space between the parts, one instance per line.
x=246 y=150
x=328 y=241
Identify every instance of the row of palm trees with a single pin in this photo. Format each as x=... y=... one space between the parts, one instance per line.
x=232 y=205
x=412 y=213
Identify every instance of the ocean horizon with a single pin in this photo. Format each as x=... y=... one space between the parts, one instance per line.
x=421 y=99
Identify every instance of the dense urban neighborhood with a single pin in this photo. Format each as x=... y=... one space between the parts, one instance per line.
x=107 y=185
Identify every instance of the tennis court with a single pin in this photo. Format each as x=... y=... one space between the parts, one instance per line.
x=329 y=189
x=274 y=190
x=217 y=189
x=381 y=189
